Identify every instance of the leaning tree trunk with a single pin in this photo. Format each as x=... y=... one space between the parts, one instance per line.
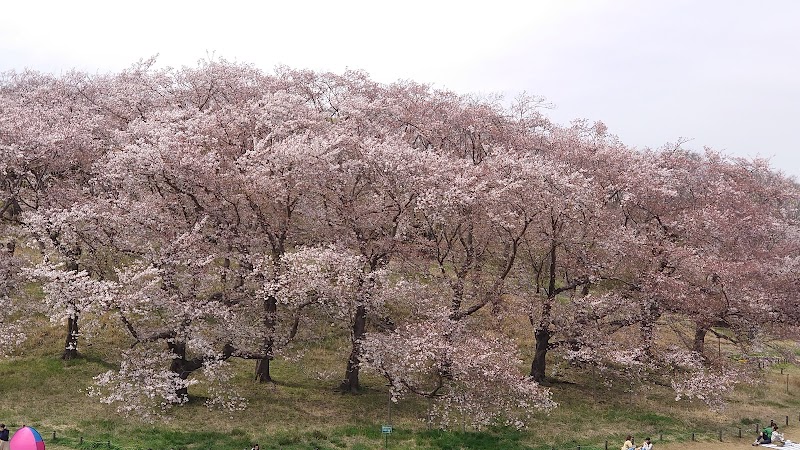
x=262 y=365
x=350 y=382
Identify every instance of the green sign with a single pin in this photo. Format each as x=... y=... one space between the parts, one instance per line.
x=386 y=429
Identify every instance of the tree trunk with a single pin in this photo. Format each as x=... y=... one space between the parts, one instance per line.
x=262 y=365
x=182 y=367
x=350 y=382
x=543 y=333
x=650 y=314
x=182 y=392
x=178 y=366
x=699 y=345
x=262 y=370
x=71 y=341
x=539 y=364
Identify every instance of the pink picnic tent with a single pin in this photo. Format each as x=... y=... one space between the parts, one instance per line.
x=26 y=438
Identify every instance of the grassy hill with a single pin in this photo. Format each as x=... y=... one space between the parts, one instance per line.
x=302 y=411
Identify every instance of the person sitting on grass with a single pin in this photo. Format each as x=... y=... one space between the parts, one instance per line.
x=628 y=445
x=647 y=445
x=765 y=436
x=777 y=438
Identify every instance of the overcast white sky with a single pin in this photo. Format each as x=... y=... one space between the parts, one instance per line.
x=723 y=73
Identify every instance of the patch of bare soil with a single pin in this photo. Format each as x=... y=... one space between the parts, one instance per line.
x=739 y=444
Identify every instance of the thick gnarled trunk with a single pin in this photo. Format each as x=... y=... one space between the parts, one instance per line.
x=539 y=364
x=351 y=382
x=182 y=367
x=262 y=370
x=179 y=367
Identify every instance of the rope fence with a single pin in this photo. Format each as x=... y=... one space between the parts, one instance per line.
x=747 y=433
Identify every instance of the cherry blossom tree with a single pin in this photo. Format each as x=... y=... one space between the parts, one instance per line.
x=718 y=231
x=468 y=374
x=366 y=198
x=575 y=243
x=50 y=139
